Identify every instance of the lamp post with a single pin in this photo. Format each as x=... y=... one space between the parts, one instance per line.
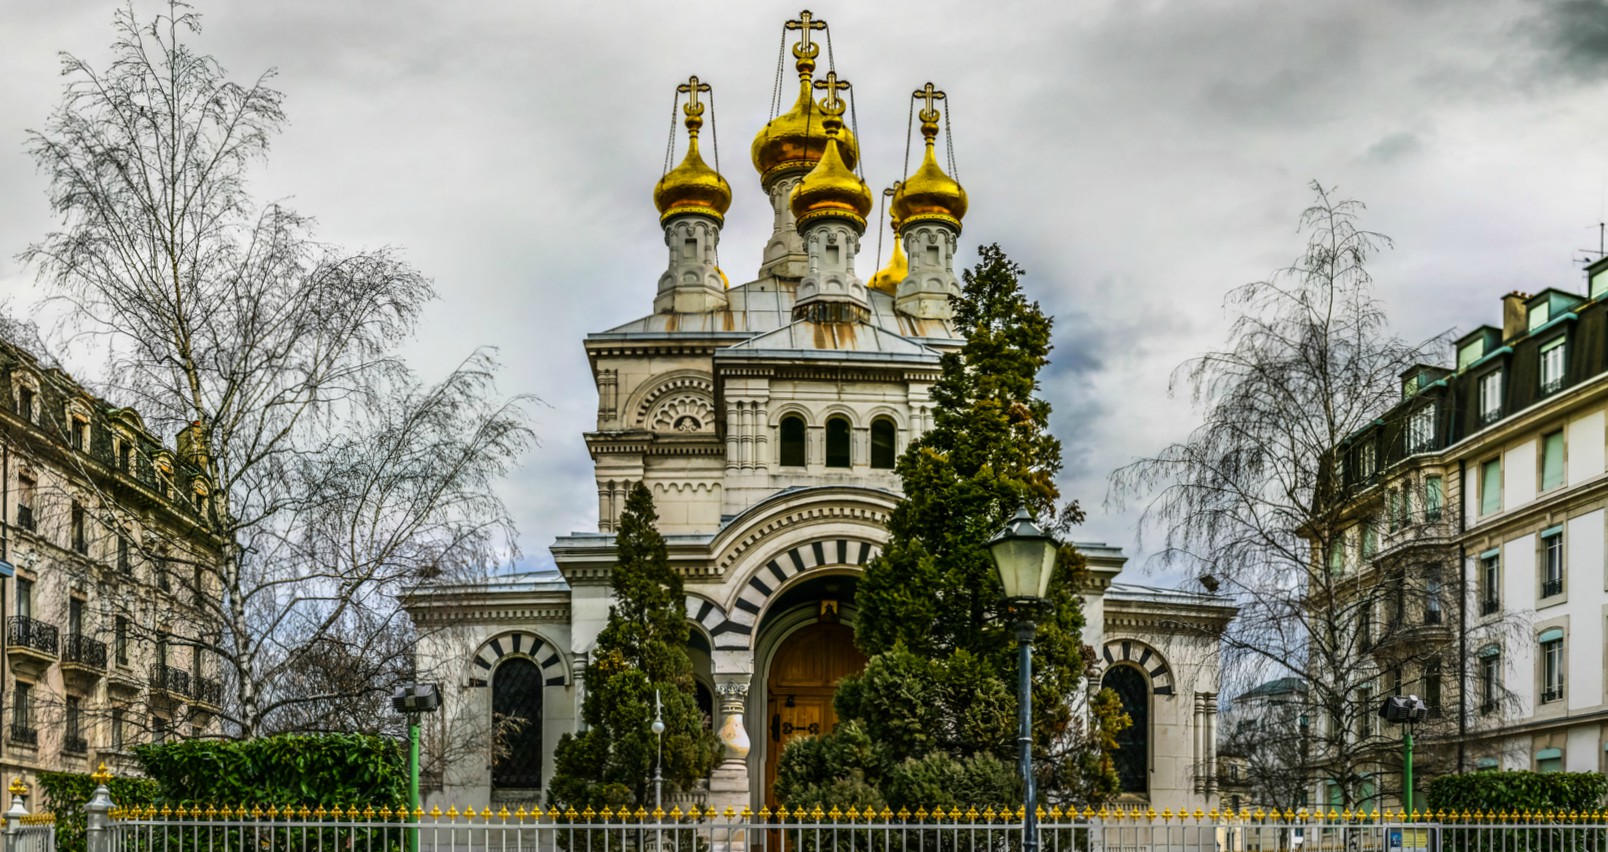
x=411 y=700
x=658 y=764
x=1025 y=556
x=1405 y=710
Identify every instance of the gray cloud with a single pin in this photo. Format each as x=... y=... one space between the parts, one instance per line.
x=1138 y=158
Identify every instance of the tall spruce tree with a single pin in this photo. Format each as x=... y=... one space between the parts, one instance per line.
x=932 y=719
x=641 y=650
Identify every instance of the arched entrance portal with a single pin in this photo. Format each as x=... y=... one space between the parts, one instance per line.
x=804 y=674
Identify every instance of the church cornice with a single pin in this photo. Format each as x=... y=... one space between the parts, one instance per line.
x=1206 y=621
x=826 y=372
x=639 y=442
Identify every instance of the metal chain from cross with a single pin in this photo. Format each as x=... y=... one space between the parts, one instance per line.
x=931 y=95
x=805 y=22
x=691 y=88
x=832 y=104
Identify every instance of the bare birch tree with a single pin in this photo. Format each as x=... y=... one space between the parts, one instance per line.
x=333 y=474
x=1295 y=495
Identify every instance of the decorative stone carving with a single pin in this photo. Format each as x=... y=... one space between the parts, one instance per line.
x=733 y=699
x=684 y=413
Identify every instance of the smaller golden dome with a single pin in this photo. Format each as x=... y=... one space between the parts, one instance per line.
x=898 y=269
x=796 y=139
x=692 y=186
x=929 y=194
x=831 y=188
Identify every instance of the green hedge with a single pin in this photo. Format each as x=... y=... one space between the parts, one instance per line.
x=289 y=769
x=67 y=792
x=1519 y=791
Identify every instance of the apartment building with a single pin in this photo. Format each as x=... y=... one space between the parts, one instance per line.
x=111 y=586
x=1480 y=504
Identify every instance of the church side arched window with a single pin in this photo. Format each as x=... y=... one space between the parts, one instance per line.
x=1133 y=744
x=837 y=443
x=791 y=450
x=516 y=714
x=882 y=443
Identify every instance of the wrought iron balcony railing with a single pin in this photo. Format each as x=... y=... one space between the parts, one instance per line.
x=207 y=691
x=170 y=679
x=25 y=632
x=1551 y=587
x=25 y=518
x=23 y=735
x=1489 y=606
x=74 y=744
x=1552 y=693
x=84 y=651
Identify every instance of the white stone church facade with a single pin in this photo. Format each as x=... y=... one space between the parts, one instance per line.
x=765 y=418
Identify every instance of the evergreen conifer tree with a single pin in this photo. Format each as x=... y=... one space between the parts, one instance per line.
x=642 y=649
x=932 y=719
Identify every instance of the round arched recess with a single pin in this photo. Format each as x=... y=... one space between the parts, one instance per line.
x=1132 y=756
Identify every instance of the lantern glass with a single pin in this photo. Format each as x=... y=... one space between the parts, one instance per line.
x=1025 y=557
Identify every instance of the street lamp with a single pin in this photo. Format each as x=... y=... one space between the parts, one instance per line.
x=658 y=765
x=1025 y=556
x=411 y=700
x=1405 y=710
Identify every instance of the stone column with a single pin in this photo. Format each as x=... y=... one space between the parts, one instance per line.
x=728 y=784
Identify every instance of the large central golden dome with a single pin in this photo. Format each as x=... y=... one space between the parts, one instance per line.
x=692 y=186
x=796 y=139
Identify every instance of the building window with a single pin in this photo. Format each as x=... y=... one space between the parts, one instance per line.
x=1365 y=625
x=1552 y=561
x=1337 y=553
x=791 y=449
x=1367 y=461
x=198 y=586
x=1366 y=717
x=1490 y=679
x=1552 y=665
x=1395 y=501
x=1432 y=686
x=1490 y=582
x=837 y=442
x=117 y=729
x=1552 y=460
x=1432 y=600
x=25 y=403
x=1133 y=743
x=516 y=712
x=1552 y=358
x=1434 y=498
x=22 y=714
x=1421 y=430
x=1539 y=316
x=1549 y=760
x=1398 y=603
x=1491 y=396
x=159 y=729
x=125 y=564
x=1470 y=352
x=161 y=569
x=24 y=598
x=1370 y=540
x=80 y=433
x=75 y=617
x=73 y=737
x=120 y=640
x=79 y=531
x=882 y=432
x=1491 y=487
x=125 y=457
x=25 y=502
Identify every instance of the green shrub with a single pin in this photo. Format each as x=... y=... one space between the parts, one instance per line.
x=1519 y=791
x=67 y=792
x=288 y=769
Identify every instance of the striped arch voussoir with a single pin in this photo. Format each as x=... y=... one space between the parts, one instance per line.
x=785 y=566
x=1145 y=657
x=521 y=643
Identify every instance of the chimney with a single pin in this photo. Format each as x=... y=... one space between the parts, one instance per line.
x=1515 y=321
x=193 y=446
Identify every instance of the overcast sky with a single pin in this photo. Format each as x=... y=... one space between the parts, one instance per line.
x=1138 y=158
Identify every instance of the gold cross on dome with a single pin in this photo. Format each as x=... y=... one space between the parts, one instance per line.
x=805 y=22
x=691 y=88
x=931 y=96
x=832 y=104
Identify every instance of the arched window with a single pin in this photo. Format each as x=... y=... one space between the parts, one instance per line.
x=837 y=442
x=706 y=704
x=516 y=713
x=882 y=443
x=792 y=449
x=1133 y=744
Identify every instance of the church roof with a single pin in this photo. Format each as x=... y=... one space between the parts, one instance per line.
x=766 y=305
x=832 y=339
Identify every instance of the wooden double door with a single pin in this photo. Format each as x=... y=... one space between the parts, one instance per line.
x=804 y=675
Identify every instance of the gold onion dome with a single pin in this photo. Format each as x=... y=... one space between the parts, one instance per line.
x=831 y=189
x=692 y=186
x=929 y=193
x=796 y=139
x=898 y=269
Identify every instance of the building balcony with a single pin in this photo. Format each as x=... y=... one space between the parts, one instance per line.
x=23 y=735
x=207 y=692
x=171 y=680
x=25 y=518
x=31 y=644
x=74 y=744
x=83 y=658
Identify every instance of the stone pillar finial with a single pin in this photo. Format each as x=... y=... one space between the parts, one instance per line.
x=733 y=703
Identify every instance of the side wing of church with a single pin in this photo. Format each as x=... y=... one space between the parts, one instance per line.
x=766 y=418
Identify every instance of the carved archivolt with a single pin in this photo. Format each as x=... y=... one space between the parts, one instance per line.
x=686 y=412
x=645 y=411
